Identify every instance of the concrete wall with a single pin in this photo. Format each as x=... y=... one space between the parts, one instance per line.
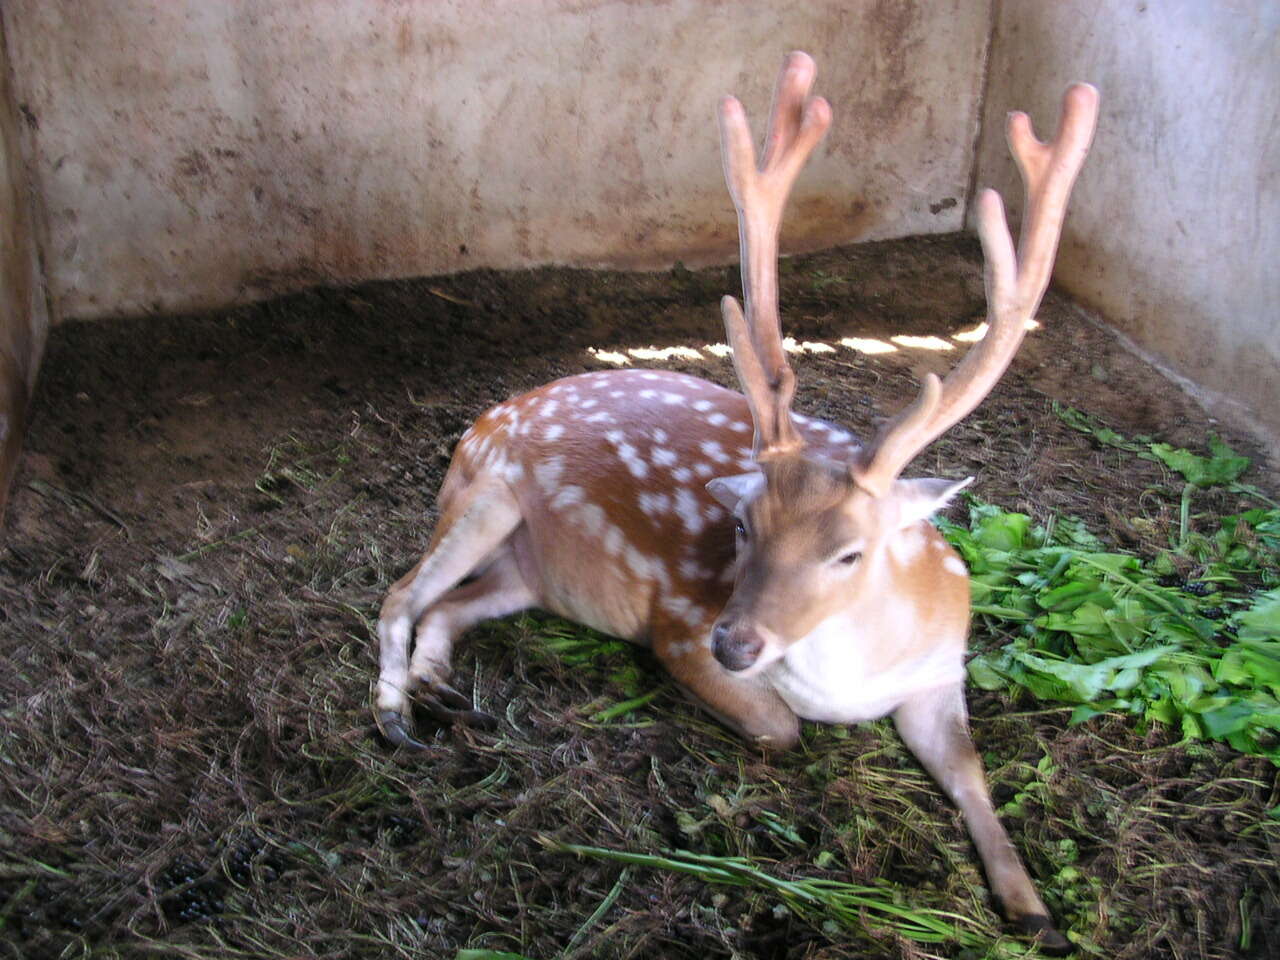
x=1174 y=230
x=24 y=318
x=194 y=154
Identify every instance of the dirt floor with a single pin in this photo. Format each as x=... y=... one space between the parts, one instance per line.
x=210 y=509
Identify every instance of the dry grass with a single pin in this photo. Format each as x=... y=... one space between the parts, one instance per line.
x=188 y=767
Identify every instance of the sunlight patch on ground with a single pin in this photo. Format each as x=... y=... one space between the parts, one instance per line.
x=921 y=343
x=665 y=353
x=865 y=345
x=972 y=335
x=608 y=356
x=868 y=345
x=808 y=346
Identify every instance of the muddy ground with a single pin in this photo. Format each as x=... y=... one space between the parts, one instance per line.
x=210 y=508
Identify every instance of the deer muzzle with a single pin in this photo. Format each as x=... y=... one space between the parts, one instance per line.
x=736 y=645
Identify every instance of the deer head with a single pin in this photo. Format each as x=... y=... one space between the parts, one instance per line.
x=810 y=532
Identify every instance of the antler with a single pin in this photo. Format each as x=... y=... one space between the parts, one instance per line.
x=1014 y=287
x=797 y=124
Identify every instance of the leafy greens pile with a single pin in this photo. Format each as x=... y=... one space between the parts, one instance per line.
x=1109 y=631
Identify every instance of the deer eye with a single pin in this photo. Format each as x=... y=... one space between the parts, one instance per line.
x=850 y=558
x=740 y=529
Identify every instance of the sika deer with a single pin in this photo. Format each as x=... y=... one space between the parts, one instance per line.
x=795 y=578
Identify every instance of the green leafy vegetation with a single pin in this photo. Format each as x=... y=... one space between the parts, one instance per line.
x=1111 y=631
x=1222 y=467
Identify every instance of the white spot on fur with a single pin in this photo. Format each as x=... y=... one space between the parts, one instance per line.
x=682 y=474
x=650 y=376
x=639 y=564
x=717 y=419
x=627 y=454
x=591 y=517
x=659 y=436
x=688 y=613
x=647 y=394
x=654 y=504
x=549 y=408
x=954 y=564
x=513 y=473
x=713 y=514
x=678 y=605
x=907 y=544
x=548 y=473
x=691 y=569
x=617 y=394
x=689 y=510
x=555 y=431
x=671 y=399
x=631 y=460
x=568 y=497
x=614 y=540
x=703 y=469
x=739 y=427
x=662 y=457
x=588 y=404
x=702 y=406
x=602 y=416
x=713 y=450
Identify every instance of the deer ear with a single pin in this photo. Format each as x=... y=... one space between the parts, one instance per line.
x=730 y=491
x=920 y=499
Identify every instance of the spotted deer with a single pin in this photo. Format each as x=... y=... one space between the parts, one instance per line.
x=776 y=568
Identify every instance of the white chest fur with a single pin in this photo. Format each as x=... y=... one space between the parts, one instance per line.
x=840 y=673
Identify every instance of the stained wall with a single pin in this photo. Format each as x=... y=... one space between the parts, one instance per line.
x=190 y=155
x=1173 y=235
x=197 y=154
x=24 y=317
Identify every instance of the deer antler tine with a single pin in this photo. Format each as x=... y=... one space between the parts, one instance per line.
x=1015 y=283
x=1001 y=264
x=796 y=126
x=738 y=152
x=786 y=116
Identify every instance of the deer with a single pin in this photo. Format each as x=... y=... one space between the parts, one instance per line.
x=797 y=577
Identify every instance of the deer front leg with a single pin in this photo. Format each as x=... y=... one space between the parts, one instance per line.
x=748 y=706
x=496 y=592
x=935 y=726
x=470 y=538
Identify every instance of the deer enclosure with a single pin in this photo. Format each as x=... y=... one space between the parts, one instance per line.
x=247 y=402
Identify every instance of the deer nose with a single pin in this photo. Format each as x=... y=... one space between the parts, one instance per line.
x=736 y=647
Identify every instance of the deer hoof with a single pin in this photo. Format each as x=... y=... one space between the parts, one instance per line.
x=1046 y=934
x=445 y=703
x=396 y=731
